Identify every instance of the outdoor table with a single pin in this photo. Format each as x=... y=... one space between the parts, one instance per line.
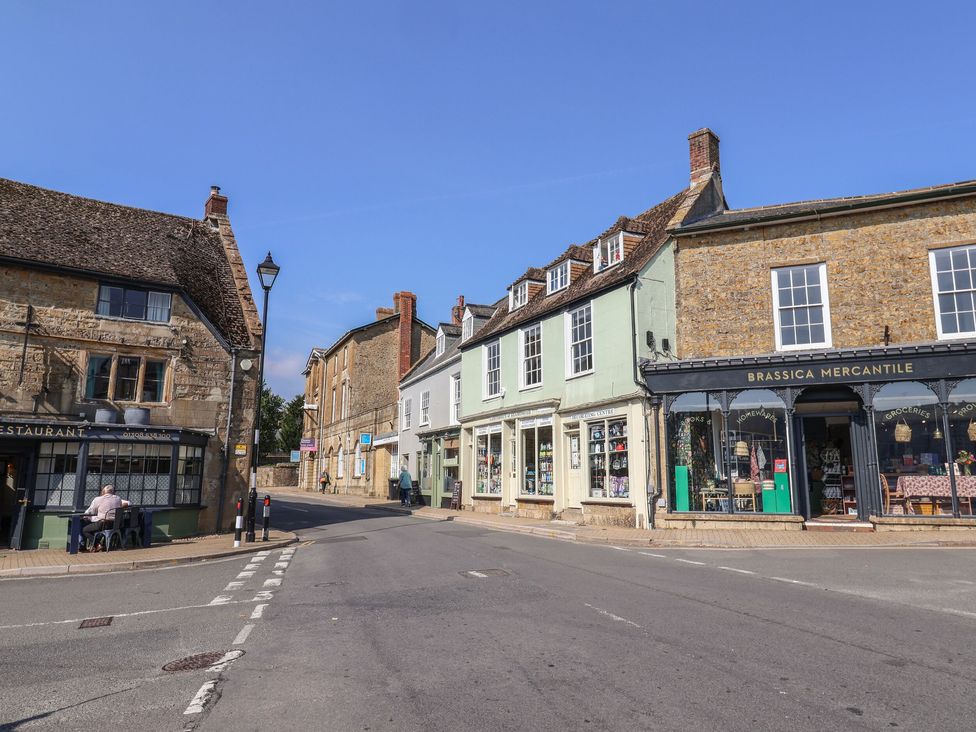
x=74 y=530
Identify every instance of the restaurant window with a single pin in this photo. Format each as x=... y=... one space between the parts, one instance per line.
x=455 y=398
x=911 y=450
x=134 y=304
x=954 y=284
x=189 y=474
x=696 y=475
x=140 y=472
x=537 y=476
x=759 y=455
x=129 y=382
x=489 y=467
x=579 y=332
x=492 y=370
x=425 y=408
x=558 y=278
x=99 y=377
x=962 y=431
x=801 y=308
x=608 y=461
x=54 y=484
x=530 y=342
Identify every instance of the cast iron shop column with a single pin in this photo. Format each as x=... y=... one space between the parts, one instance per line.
x=870 y=499
x=81 y=475
x=942 y=389
x=724 y=400
x=799 y=451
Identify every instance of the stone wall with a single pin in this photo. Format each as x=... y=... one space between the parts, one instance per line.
x=280 y=474
x=877 y=273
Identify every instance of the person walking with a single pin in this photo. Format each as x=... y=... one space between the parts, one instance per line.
x=325 y=480
x=405 y=485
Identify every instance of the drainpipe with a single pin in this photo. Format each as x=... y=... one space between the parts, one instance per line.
x=225 y=461
x=643 y=387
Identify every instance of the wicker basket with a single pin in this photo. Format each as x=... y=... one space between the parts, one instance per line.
x=972 y=430
x=903 y=433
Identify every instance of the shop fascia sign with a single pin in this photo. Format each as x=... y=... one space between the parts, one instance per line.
x=591 y=415
x=26 y=430
x=536 y=422
x=488 y=429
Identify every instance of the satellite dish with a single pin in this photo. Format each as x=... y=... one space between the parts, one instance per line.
x=246 y=364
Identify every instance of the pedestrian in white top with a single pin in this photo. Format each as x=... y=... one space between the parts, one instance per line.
x=101 y=512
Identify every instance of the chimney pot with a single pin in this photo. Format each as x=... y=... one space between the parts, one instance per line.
x=216 y=204
x=703 y=149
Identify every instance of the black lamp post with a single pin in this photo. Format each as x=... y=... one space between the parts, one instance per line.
x=267 y=271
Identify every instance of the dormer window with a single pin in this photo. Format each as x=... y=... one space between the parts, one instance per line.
x=518 y=296
x=440 y=343
x=558 y=278
x=467 y=326
x=608 y=252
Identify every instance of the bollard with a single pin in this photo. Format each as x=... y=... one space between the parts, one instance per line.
x=267 y=518
x=238 y=523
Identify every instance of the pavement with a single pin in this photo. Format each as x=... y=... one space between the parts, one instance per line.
x=690 y=538
x=380 y=621
x=36 y=562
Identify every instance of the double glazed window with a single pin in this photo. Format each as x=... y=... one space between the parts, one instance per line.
x=492 y=370
x=579 y=328
x=801 y=308
x=125 y=378
x=558 y=278
x=954 y=283
x=134 y=304
x=531 y=346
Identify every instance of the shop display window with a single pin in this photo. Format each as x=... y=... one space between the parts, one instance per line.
x=54 y=485
x=697 y=475
x=608 y=459
x=962 y=436
x=758 y=458
x=537 y=475
x=139 y=472
x=489 y=479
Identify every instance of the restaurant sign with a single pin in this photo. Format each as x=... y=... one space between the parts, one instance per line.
x=55 y=431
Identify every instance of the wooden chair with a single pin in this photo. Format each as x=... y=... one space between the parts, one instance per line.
x=744 y=491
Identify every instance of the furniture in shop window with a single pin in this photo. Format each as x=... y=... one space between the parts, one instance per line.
x=744 y=493
x=932 y=494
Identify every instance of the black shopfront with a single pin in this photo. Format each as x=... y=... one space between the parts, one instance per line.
x=850 y=434
x=52 y=468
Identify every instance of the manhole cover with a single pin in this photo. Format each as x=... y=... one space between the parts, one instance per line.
x=95 y=622
x=481 y=573
x=192 y=663
x=337 y=539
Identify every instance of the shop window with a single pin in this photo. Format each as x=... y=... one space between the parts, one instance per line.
x=530 y=340
x=129 y=382
x=954 y=283
x=911 y=450
x=492 y=370
x=134 y=304
x=759 y=453
x=537 y=475
x=139 y=472
x=518 y=295
x=455 y=398
x=697 y=475
x=98 y=377
x=962 y=441
x=489 y=477
x=558 y=278
x=608 y=252
x=54 y=484
x=425 y=408
x=802 y=311
x=579 y=332
x=609 y=471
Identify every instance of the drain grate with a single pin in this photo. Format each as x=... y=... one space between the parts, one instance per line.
x=482 y=573
x=192 y=663
x=337 y=539
x=96 y=622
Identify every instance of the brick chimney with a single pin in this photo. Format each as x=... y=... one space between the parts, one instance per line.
x=384 y=313
x=457 y=312
x=406 y=305
x=216 y=205
x=703 y=149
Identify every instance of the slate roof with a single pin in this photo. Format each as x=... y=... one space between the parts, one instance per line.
x=450 y=330
x=826 y=206
x=482 y=311
x=575 y=252
x=653 y=224
x=452 y=346
x=52 y=229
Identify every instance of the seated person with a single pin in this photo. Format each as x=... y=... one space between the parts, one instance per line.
x=101 y=512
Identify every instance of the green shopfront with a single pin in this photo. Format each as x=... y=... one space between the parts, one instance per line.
x=54 y=468
x=853 y=434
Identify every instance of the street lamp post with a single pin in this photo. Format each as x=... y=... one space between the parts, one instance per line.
x=267 y=271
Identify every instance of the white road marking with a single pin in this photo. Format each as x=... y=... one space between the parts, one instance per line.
x=242 y=636
x=618 y=548
x=740 y=571
x=649 y=554
x=137 y=613
x=610 y=615
x=281 y=565
x=258 y=612
x=201 y=699
x=792 y=581
x=287 y=552
x=231 y=586
x=226 y=660
x=261 y=555
x=474 y=573
x=245 y=574
x=303 y=510
x=252 y=567
x=221 y=600
x=263 y=595
x=279 y=572
x=272 y=582
x=689 y=561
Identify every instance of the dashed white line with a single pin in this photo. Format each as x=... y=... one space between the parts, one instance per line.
x=272 y=582
x=201 y=698
x=242 y=636
x=740 y=571
x=618 y=548
x=261 y=555
x=281 y=565
x=258 y=612
x=278 y=572
x=226 y=660
x=232 y=586
x=252 y=567
x=792 y=581
x=650 y=554
x=689 y=561
x=610 y=615
x=475 y=573
x=245 y=574
x=221 y=600
x=262 y=595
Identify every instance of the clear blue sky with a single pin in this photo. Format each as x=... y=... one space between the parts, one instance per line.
x=443 y=147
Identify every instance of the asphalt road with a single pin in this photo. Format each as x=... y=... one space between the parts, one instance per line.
x=385 y=622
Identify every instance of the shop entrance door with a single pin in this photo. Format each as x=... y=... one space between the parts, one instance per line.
x=829 y=458
x=574 y=480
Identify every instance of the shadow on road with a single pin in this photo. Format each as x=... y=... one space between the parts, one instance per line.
x=289 y=514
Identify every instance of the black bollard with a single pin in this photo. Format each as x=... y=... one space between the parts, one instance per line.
x=238 y=523
x=267 y=518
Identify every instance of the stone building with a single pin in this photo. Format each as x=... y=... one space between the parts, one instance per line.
x=351 y=398
x=827 y=361
x=108 y=310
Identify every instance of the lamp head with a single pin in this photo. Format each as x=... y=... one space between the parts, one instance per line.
x=268 y=272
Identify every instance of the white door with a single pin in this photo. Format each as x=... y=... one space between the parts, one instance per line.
x=574 y=470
